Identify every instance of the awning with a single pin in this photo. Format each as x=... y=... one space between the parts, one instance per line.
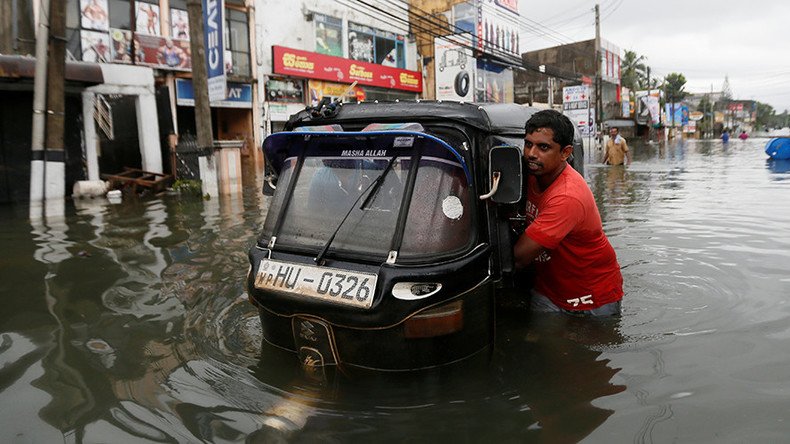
x=21 y=67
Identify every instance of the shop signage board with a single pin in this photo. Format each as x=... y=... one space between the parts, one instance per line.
x=238 y=95
x=576 y=106
x=215 y=49
x=311 y=65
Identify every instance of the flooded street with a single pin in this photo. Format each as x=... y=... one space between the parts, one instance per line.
x=130 y=322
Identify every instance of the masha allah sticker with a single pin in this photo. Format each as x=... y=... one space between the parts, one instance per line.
x=452 y=207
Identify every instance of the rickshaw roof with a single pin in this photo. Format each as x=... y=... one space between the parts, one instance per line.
x=499 y=118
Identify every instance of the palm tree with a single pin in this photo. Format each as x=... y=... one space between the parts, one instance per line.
x=634 y=71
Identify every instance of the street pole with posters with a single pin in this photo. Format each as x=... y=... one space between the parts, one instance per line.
x=205 y=137
x=598 y=84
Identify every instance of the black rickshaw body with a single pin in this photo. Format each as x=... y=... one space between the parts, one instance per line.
x=377 y=252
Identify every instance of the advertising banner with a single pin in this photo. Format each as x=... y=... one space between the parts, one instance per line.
x=239 y=95
x=577 y=107
x=311 y=65
x=95 y=46
x=147 y=19
x=215 y=49
x=454 y=70
x=498 y=27
x=494 y=83
x=320 y=89
x=93 y=15
x=648 y=108
x=677 y=114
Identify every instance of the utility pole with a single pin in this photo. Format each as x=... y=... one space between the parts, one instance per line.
x=39 y=106
x=205 y=137
x=54 y=153
x=598 y=81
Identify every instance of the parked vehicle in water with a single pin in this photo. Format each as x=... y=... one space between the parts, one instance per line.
x=389 y=232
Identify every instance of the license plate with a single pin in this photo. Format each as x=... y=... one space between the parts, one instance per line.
x=327 y=284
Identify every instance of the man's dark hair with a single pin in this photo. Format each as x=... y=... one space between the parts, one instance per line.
x=549 y=118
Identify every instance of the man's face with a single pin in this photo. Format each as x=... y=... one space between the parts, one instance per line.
x=613 y=132
x=544 y=156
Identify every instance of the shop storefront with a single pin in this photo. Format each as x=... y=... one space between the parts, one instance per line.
x=303 y=78
x=232 y=117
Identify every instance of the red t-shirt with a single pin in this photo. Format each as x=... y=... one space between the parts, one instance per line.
x=579 y=269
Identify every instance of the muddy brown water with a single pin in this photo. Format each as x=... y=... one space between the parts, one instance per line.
x=129 y=323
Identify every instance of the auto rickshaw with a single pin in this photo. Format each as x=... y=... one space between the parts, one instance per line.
x=389 y=232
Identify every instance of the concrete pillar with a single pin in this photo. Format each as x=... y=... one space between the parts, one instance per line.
x=229 y=170
x=91 y=141
x=208 y=175
x=148 y=132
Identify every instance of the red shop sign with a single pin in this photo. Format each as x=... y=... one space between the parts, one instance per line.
x=294 y=62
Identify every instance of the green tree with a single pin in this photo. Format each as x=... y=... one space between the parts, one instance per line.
x=675 y=84
x=634 y=71
x=765 y=114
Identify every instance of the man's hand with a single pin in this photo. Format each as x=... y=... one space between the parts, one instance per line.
x=526 y=250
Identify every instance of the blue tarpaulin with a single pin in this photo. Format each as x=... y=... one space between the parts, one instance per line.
x=778 y=148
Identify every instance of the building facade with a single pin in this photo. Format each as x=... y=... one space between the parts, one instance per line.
x=315 y=49
x=557 y=67
x=146 y=97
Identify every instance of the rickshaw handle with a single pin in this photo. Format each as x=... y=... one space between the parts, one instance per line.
x=494 y=186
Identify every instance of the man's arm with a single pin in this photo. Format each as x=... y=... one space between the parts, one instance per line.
x=526 y=250
x=606 y=153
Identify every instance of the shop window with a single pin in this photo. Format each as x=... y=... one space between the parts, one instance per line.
x=375 y=46
x=120 y=17
x=328 y=35
x=361 y=43
x=237 y=42
x=281 y=90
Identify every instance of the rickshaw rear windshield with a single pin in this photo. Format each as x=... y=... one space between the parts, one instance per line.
x=315 y=193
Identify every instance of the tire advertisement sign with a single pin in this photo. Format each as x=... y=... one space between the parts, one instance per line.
x=454 y=69
x=577 y=107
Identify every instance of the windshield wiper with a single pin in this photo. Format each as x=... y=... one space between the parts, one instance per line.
x=371 y=191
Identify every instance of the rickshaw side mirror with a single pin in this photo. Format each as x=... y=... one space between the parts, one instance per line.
x=504 y=167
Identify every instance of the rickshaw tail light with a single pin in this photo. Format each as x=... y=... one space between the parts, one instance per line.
x=439 y=321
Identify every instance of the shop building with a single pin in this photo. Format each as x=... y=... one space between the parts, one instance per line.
x=142 y=47
x=315 y=49
x=469 y=49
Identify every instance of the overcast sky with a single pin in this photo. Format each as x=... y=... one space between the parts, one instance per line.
x=746 y=40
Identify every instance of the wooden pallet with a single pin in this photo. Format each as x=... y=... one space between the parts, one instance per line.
x=135 y=179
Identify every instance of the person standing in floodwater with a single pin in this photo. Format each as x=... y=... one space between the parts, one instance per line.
x=743 y=135
x=725 y=136
x=616 y=149
x=577 y=268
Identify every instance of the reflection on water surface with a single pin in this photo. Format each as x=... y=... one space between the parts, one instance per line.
x=130 y=322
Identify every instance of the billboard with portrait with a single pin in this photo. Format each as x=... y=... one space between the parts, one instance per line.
x=95 y=46
x=93 y=15
x=147 y=18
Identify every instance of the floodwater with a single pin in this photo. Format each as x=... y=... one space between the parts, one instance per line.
x=129 y=323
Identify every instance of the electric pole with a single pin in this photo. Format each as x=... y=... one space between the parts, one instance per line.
x=54 y=152
x=598 y=81
x=39 y=106
x=205 y=137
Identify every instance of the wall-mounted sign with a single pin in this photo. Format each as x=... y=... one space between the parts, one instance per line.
x=311 y=65
x=454 y=70
x=239 y=95
x=215 y=49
